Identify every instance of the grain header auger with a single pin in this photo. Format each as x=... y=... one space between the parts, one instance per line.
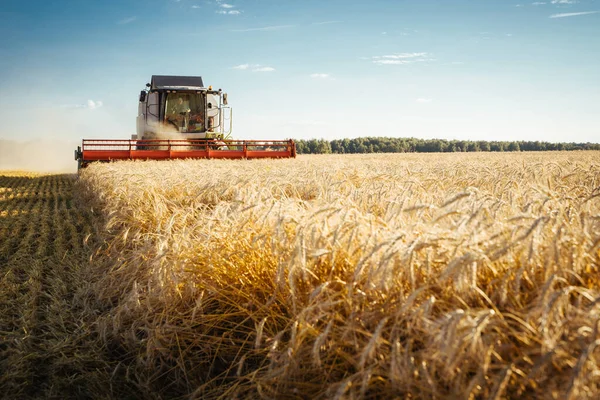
x=179 y=118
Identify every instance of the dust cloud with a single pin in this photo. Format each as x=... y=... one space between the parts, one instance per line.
x=38 y=156
x=56 y=156
x=170 y=135
x=168 y=132
x=165 y=132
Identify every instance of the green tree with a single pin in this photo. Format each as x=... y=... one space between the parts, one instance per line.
x=514 y=146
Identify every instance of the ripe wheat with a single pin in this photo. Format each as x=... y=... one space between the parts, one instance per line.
x=353 y=276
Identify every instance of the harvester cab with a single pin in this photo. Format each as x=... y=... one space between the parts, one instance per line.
x=178 y=118
x=180 y=107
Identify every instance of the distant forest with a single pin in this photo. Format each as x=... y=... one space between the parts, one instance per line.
x=413 y=145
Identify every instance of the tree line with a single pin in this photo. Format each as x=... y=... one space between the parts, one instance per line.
x=414 y=145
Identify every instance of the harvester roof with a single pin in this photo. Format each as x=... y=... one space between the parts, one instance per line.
x=176 y=82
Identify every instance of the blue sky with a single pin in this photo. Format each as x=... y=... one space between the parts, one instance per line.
x=453 y=69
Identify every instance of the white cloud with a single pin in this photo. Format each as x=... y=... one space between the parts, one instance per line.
x=391 y=62
x=326 y=22
x=127 y=20
x=423 y=100
x=319 y=76
x=401 y=58
x=90 y=105
x=264 y=28
x=573 y=14
x=538 y=3
x=254 y=68
x=229 y=8
x=195 y=6
x=564 y=1
x=263 y=69
x=404 y=55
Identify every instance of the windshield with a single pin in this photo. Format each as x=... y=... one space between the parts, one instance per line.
x=185 y=111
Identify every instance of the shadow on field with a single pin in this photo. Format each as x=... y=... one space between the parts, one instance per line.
x=47 y=348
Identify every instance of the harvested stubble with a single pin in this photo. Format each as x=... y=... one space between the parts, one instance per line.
x=352 y=276
x=45 y=347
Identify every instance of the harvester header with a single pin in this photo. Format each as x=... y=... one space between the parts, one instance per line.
x=168 y=149
x=178 y=117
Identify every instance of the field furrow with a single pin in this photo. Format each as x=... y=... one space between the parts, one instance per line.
x=40 y=249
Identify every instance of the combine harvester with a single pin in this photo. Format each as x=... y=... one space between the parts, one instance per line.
x=179 y=118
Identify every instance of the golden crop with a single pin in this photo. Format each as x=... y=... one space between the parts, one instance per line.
x=354 y=276
x=366 y=276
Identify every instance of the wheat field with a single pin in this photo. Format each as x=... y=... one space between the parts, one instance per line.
x=366 y=276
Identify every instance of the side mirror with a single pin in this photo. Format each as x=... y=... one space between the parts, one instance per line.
x=209 y=105
x=225 y=98
x=142 y=96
